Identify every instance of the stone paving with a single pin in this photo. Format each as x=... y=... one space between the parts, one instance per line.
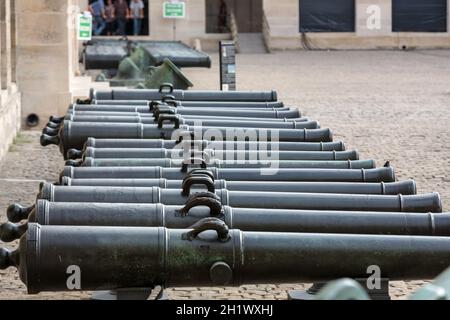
x=389 y=105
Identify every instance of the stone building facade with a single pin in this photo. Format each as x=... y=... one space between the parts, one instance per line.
x=39 y=49
x=280 y=24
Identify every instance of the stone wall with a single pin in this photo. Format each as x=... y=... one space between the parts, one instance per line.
x=9 y=118
x=9 y=96
x=283 y=19
x=43 y=57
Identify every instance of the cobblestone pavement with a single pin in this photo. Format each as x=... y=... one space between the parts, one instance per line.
x=389 y=105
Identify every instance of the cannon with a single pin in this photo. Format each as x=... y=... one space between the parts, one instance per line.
x=204 y=114
x=197 y=104
x=241 y=122
x=190 y=95
x=53 y=128
x=166 y=72
x=245 y=199
x=140 y=74
x=183 y=152
x=210 y=254
x=385 y=174
x=124 y=144
x=73 y=135
x=185 y=111
x=270 y=220
x=107 y=54
x=269 y=164
x=118 y=117
x=406 y=187
x=178 y=52
x=297 y=123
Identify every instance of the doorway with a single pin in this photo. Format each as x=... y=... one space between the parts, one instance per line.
x=419 y=16
x=327 y=16
x=145 y=28
x=145 y=22
x=248 y=15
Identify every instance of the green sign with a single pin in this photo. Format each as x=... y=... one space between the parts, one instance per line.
x=84 y=27
x=174 y=10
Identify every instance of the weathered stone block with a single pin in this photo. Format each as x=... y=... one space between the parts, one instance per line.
x=43 y=68
x=42 y=29
x=41 y=6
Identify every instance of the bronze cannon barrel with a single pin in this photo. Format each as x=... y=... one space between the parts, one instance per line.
x=196 y=104
x=221 y=145
x=122 y=144
x=385 y=174
x=266 y=164
x=274 y=220
x=406 y=187
x=194 y=121
x=126 y=117
x=135 y=257
x=270 y=220
x=251 y=199
x=86 y=110
x=182 y=152
x=191 y=95
x=73 y=135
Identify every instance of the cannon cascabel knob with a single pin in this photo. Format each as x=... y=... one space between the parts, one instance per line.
x=8 y=258
x=10 y=232
x=54 y=125
x=47 y=140
x=74 y=154
x=17 y=213
x=50 y=131
x=56 y=119
x=74 y=163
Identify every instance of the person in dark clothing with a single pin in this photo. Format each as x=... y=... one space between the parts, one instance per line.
x=137 y=14
x=110 y=17
x=122 y=14
x=223 y=17
x=97 y=9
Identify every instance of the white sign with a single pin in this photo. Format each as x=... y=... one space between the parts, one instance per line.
x=174 y=10
x=84 y=27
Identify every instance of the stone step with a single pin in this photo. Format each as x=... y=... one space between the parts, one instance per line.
x=251 y=43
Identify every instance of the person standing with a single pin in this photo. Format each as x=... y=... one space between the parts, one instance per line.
x=137 y=14
x=110 y=17
x=97 y=9
x=121 y=13
x=223 y=17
